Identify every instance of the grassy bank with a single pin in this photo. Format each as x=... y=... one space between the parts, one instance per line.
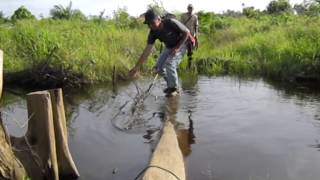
x=86 y=49
x=280 y=47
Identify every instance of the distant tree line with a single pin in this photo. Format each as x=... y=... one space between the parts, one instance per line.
x=280 y=7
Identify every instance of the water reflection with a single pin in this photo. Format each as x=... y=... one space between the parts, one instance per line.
x=184 y=126
x=316 y=145
x=180 y=117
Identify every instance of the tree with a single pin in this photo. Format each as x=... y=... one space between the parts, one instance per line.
x=100 y=18
x=22 y=13
x=124 y=20
x=60 y=12
x=231 y=13
x=251 y=12
x=300 y=8
x=157 y=7
x=308 y=7
x=279 y=7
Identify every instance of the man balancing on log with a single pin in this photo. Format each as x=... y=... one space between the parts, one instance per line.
x=174 y=35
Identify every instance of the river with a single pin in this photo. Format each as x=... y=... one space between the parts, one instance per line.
x=228 y=129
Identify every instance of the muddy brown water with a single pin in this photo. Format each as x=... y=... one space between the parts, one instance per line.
x=228 y=129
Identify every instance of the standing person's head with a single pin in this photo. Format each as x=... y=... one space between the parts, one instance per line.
x=190 y=8
x=152 y=19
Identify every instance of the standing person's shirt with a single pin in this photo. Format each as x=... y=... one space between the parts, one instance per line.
x=171 y=33
x=191 y=21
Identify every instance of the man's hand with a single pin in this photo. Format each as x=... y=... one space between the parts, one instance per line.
x=134 y=72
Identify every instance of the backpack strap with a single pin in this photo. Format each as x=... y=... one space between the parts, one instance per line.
x=188 y=19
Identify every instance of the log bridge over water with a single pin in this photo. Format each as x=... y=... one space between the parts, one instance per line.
x=43 y=152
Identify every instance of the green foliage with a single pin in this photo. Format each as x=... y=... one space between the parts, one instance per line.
x=60 y=12
x=251 y=12
x=122 y=17
x=100 y=18
x=22 y=13
x=279 y=50
x=123 y=20
x=158 y=7
x=2 y=15
x=231 y=13
x=83 y=47
x=300 y=9
x=309 y=8
x=279 y=46
x=279 y=7
x=3 y=19
x=210 y=23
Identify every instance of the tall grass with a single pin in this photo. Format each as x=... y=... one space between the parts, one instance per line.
x=280 y=47
x=84 y=47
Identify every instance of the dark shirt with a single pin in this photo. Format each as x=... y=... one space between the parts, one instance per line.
x=171 y=33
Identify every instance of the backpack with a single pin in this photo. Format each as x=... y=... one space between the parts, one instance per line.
x=168 y=16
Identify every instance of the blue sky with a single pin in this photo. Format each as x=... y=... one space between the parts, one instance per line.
x=134 y=7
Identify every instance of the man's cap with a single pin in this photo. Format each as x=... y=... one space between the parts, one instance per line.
x=150 y=16
x=190 y=6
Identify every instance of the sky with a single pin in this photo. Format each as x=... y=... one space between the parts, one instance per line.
x=134 y=7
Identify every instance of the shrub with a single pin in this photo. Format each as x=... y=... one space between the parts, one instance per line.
x=22 y=13
x=279 y=7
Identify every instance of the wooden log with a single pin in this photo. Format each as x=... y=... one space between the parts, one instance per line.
x=10 y=167
x=40 y=135
x=67 y=167
x=167 y=160
x=1 y=72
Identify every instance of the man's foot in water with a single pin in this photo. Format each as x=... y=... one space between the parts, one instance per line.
x=171 y=92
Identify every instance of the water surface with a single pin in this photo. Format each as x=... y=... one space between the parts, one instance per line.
x=228 y=129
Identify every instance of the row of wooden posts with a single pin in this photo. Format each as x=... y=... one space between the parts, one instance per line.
x=44 y=151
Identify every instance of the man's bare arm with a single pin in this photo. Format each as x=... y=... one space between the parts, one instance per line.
x=146 y=52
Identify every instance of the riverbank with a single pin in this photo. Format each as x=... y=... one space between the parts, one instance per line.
x=277 y=47
x=66 y=52
x=71 y=53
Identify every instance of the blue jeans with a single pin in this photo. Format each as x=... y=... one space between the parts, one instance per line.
x=167 y=65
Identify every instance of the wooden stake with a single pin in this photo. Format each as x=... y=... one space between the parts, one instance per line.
x=40 y=134
x=114 y=78
x=10 y=167
x=66 y=164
